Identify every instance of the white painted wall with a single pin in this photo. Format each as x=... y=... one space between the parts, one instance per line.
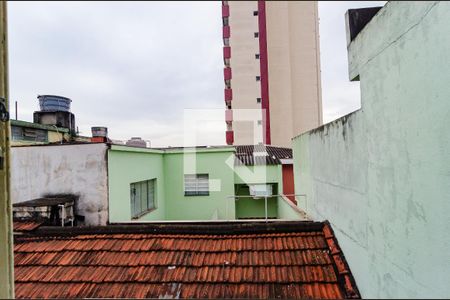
x=75 y=169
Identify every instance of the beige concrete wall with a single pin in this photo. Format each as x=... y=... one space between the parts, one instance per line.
x=293 y=63
x=245 y=67
x=294 y=69
x=279 y=65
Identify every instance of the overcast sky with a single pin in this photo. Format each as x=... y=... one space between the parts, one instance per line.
x=135 y=66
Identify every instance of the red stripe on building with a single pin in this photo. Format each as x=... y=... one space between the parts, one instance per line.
x=264 y=69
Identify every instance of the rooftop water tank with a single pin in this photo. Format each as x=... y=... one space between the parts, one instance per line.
x=54 y=103
x=99 y=131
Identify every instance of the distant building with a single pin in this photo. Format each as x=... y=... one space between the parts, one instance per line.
x=53 y=123
x=137 y=142
x=272 y=66
x=26 y=133
x=114 y=183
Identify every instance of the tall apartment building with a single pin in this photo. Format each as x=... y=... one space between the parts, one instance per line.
x=272 y=70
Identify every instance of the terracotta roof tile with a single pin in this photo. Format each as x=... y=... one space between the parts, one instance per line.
x=28 y=225
x=295 y=264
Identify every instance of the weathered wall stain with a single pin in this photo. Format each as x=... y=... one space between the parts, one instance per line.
x=381 y=175
x=69 y=169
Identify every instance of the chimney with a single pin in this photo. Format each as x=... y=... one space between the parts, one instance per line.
x=99 y=134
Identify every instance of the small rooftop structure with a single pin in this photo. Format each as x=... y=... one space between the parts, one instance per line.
x=217 y=260
x=52 y=210
x=55 y=111
x=136 y=142
x=261 y=155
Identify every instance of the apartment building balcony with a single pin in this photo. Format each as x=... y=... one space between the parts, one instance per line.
x=229 y=137
x=228 y=115
x=225 y=10
x=226 y=32
x=227 y=73
x=228 y=95
x=226 y=52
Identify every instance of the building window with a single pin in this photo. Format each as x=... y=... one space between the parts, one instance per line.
x=257 y=55
x=225 y=21
x=259 y=122
x=258 y=78
x=28 y=134
x=256 y=34
x=142 y=197
x=258 y=100
x=226 y=41
x=196 y=184
x=255 y=13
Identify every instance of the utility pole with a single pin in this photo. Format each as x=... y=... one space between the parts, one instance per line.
x=6 y=238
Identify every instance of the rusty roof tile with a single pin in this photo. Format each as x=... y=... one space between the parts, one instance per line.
x=26 y=225
x=294 y=264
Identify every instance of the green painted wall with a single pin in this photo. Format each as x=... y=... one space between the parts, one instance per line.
x=127 y=165
x=258 y=174
x=221 y=176
x=381 y=175
x=286 y=210
x=254 y=208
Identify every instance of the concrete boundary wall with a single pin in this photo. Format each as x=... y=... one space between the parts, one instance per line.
x=381 y=175
x=63 y=169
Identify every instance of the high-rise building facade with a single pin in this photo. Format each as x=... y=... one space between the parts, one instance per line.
x=272 y=70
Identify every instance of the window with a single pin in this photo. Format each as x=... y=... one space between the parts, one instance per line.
x=259 y=122
x=226 y=41
x=196 y=184
x=258 y=78
x=256 y=34
x=142 y=196
x=257 y=55
x=258 y=100
x=255 y=13
x=28 y=134
x=225 y=21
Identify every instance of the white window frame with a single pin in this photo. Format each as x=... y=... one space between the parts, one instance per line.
x=196 y=184
x=142 y=197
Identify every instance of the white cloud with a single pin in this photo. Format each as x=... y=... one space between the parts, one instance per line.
x=135 y=66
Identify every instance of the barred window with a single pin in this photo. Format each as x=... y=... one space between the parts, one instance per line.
x=196 y=184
